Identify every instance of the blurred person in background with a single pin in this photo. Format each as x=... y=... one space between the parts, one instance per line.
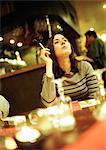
x=96 y=51
x=4 y=107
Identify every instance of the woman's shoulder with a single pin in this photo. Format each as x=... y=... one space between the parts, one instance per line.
x=84 y=66
x=85 y=63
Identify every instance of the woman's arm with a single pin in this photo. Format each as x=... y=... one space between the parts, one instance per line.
x=48 y=93
x=91 y=80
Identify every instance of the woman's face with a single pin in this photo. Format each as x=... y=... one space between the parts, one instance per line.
x=62 y=46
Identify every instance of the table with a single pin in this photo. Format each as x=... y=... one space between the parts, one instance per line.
x=58 y=140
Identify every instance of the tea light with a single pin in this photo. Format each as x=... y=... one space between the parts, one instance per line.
x=27 y=134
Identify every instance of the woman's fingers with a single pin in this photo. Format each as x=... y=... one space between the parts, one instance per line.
x=45 y=52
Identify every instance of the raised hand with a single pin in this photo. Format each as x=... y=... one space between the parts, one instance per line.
x=45 y=52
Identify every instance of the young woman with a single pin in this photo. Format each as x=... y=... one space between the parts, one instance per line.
x=61 y=62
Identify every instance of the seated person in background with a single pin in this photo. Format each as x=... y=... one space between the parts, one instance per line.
x=79 y=81
x=4 y=107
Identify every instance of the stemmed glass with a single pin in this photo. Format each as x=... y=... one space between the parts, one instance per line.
x=66 y=118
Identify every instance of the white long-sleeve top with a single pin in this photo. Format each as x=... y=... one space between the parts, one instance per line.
x=80 y=86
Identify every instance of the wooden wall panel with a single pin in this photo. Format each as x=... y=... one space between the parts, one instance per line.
x=22 y=90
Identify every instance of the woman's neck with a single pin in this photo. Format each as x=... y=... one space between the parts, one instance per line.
x=65 y=64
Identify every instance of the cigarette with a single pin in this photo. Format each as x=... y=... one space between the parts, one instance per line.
x=41 y=45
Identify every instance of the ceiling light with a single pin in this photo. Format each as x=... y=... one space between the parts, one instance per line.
x=103 y=37
x=104 y=6
x=12 y=41
x=19 y=44
x=91 y=29
x=1 y=38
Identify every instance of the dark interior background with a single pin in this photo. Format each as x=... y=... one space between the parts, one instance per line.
x=22 y=90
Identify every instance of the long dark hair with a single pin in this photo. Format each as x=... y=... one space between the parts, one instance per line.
x=58 y=72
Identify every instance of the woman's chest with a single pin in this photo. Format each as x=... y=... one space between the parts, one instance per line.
x=75 y=84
